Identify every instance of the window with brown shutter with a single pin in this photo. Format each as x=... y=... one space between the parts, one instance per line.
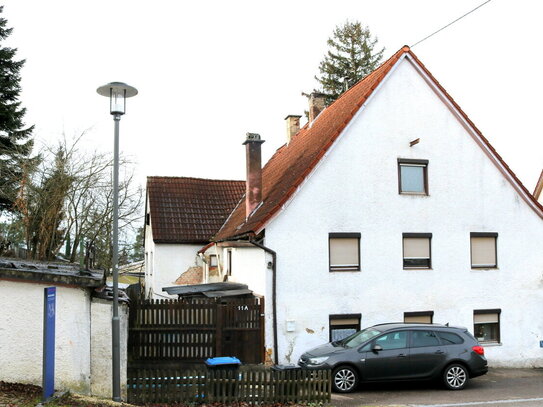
x=344 y=251
x=417 y=250
x=484 y=250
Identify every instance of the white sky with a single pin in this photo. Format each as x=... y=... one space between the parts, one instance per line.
x=210 y=71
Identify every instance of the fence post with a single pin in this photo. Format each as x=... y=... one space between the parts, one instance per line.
x=219 y=328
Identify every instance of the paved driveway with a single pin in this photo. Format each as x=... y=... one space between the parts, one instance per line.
x=498 y=388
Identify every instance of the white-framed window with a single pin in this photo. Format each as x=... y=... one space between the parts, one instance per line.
x=213 y=261
x=417 y=253
x=343 y=325
x=418 y=317
x=412 y=176
x=486 y=325
x=344 y=251
x=483 y=248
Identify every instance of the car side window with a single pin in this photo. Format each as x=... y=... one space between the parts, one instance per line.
x=392 y=340
x=449 y=338
x=423 y=338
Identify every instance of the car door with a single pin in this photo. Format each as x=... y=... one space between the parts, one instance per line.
x=391 y=362
x=426 y=354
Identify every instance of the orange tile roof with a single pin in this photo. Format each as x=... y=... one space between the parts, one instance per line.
x=291 y=164
x=190 y=210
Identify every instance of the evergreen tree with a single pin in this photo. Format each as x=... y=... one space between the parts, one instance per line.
x=15 y=140
x=350 y=58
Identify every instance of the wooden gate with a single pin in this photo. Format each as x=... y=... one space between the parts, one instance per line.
x=176 y=332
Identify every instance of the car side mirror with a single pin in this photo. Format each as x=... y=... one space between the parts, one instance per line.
x=377 y=348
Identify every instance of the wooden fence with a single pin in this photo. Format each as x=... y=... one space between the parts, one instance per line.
x=190 y=331
x=248 y=384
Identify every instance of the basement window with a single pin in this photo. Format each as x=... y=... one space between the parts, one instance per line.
x=343 y=325
x=344 y=251
x=417 y=251
x=419 y=317
x=413 y=176
x=486 y=325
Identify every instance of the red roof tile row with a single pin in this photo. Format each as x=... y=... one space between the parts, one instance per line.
x=190 y=210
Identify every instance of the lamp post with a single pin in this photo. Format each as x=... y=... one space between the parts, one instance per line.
x=117 y=92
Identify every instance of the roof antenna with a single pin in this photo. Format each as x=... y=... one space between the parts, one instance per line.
x=447 y=324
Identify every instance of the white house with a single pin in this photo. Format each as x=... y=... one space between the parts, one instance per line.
x=182 y=214
x=389 y=205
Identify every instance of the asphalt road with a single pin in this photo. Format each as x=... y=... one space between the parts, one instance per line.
x=498 y=388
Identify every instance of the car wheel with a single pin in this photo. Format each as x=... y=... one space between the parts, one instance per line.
x=344 y=379
x=455 y=377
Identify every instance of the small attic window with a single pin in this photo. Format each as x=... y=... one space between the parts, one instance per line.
x=413 y=176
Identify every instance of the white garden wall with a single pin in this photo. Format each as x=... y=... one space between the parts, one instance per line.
x=82 y=332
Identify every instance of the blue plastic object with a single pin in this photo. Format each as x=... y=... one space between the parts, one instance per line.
x=223 y=361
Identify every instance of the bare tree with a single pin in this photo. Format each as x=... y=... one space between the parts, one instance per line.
x=70 y=201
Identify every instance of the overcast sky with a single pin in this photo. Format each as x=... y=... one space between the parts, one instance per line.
x=210 y=71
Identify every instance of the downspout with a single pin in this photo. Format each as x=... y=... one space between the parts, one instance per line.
x=274 y=297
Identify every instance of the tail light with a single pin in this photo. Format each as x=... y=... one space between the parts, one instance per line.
x=479 y=350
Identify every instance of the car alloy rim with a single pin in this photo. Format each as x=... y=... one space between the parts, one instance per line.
x=344 y=379
x=456 y=376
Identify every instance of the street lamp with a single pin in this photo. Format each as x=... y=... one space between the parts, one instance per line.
x=117 y=92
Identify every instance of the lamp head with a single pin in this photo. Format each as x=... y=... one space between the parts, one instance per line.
x=117 y=92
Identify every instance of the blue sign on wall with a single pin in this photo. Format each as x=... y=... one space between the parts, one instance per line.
x=49 y=313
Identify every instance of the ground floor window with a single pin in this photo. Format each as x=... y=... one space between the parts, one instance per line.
x=419 y=317
x=343 y=325
x=486 y=325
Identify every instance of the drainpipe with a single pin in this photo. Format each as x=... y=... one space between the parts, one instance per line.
x=274 y=297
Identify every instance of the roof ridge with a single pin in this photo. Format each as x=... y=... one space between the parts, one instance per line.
x=192 y=178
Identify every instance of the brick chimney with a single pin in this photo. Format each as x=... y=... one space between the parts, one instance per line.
x=253 y=195
x=316 y=105
x=293 y=126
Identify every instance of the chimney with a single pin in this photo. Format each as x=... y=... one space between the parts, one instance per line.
x=253 y=195
x=316 y=105
x=293 y=126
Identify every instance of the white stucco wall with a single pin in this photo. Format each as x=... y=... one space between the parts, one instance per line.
x=249 y=268
x=355 y=189
x=21 y=335
x=164 y=263
x=101 y=348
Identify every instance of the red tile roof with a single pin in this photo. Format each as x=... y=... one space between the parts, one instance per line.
x=291 y=164
x=190 y=210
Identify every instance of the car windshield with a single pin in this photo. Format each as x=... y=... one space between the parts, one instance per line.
x=359 y=337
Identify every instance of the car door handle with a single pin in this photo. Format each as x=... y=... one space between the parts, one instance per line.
x=439 y=352
x=402 y=355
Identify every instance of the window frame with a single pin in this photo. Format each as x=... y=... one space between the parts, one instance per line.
x=419 y=314
x=417 y=236
x=339 y=317
x=483 y=234
x=211 y=265
x=341 y=235
x=496 y=311
x=413 y=163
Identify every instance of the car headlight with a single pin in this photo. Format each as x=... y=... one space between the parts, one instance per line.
x=317 y=361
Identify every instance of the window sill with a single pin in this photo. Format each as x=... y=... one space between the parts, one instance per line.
x=345 y=271
x=414 y=193
x=490 y=344
x=483 y=268
x=418 y=268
